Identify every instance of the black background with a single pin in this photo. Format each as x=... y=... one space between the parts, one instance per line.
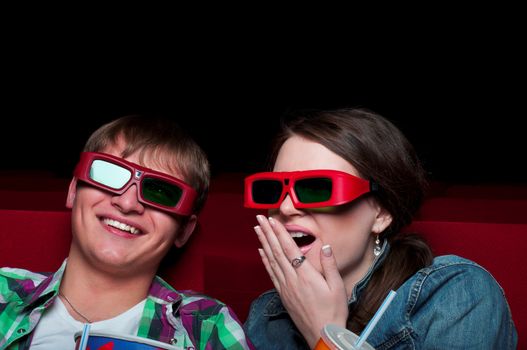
x=459 y=102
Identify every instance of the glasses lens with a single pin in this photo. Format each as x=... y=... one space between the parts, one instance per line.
x=109 y=174
x=161 y=192
x=266 y=191
x=313 y=190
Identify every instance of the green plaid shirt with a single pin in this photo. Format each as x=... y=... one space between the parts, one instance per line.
x=186 y=319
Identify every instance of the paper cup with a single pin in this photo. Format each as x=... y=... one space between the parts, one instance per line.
x=107 y=341
x=337 y=338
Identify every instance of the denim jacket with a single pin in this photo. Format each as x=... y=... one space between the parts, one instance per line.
x=452 y=304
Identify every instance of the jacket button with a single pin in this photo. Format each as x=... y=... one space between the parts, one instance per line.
x=21 y=330
x=173 y=341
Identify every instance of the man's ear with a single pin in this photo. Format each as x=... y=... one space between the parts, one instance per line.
x=72 y=191
x=185 y=232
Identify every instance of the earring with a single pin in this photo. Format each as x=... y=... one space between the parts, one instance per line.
x=377 y=248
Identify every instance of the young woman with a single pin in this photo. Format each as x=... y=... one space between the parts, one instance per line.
x=344 y=183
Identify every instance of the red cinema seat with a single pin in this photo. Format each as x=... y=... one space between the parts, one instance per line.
x=33 y=200
x=34 y=182
x=236 y=280
x=225 y=229
x=511 y=211
x=34 y=240
x=487 y=191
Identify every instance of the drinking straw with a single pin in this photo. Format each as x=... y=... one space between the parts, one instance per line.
x=369 y=327
x=84 y=337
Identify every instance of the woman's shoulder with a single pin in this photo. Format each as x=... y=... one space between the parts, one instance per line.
x=453 y=277
x=266 y=305
x=455 y=296
x=266 y=300
x=451 y=260
x=445 y=267
x=267 y=295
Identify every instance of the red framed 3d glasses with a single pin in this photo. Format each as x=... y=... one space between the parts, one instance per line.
x=154 y=188
x=307 y=189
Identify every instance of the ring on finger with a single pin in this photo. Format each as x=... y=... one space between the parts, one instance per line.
x=296 y=262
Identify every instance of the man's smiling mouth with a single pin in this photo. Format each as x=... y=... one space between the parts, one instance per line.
x=122 y=226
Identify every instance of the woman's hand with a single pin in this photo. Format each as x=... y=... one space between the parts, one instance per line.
x=311 y=298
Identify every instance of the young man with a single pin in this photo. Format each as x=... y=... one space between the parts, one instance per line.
x=136 y=191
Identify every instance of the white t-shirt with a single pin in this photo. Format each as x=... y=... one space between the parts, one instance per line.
x=56 y=328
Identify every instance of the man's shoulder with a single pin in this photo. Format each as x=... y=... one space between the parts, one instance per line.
x=11 y=273
x=19 y=282
x=186 y=300
x=196 y=301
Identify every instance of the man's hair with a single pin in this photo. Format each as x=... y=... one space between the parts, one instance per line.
x=163 y=142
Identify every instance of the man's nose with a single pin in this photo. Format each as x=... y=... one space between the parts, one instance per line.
x=128 y=201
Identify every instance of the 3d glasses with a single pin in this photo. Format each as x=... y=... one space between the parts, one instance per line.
x=307 y=189
x=154 y=188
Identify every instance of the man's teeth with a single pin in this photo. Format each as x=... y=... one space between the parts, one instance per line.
x=121 y=226
x=298 y=234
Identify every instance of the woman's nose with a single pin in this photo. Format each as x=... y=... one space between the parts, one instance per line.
x=287 y=208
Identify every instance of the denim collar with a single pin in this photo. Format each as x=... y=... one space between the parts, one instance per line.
x=274 y=306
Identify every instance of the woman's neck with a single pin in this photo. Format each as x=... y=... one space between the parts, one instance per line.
x=357 y=273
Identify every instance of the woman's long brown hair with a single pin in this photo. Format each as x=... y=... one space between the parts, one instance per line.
x=380 y=153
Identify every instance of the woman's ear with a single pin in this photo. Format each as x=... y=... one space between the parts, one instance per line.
x=186 y=231
x=382 y=220
x=72 y=191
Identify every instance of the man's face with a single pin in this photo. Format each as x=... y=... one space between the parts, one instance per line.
x=117 y=233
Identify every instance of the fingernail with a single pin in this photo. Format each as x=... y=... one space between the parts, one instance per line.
x=260 y=218
x=271 y=220
x=326 y=250
x=261 y=252
x=257 y=229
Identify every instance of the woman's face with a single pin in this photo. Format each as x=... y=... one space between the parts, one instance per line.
x=349 y=229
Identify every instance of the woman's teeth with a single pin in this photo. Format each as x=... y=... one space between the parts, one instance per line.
x=302 y=239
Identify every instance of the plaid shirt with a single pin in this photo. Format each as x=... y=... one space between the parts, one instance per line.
x=187 y=320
